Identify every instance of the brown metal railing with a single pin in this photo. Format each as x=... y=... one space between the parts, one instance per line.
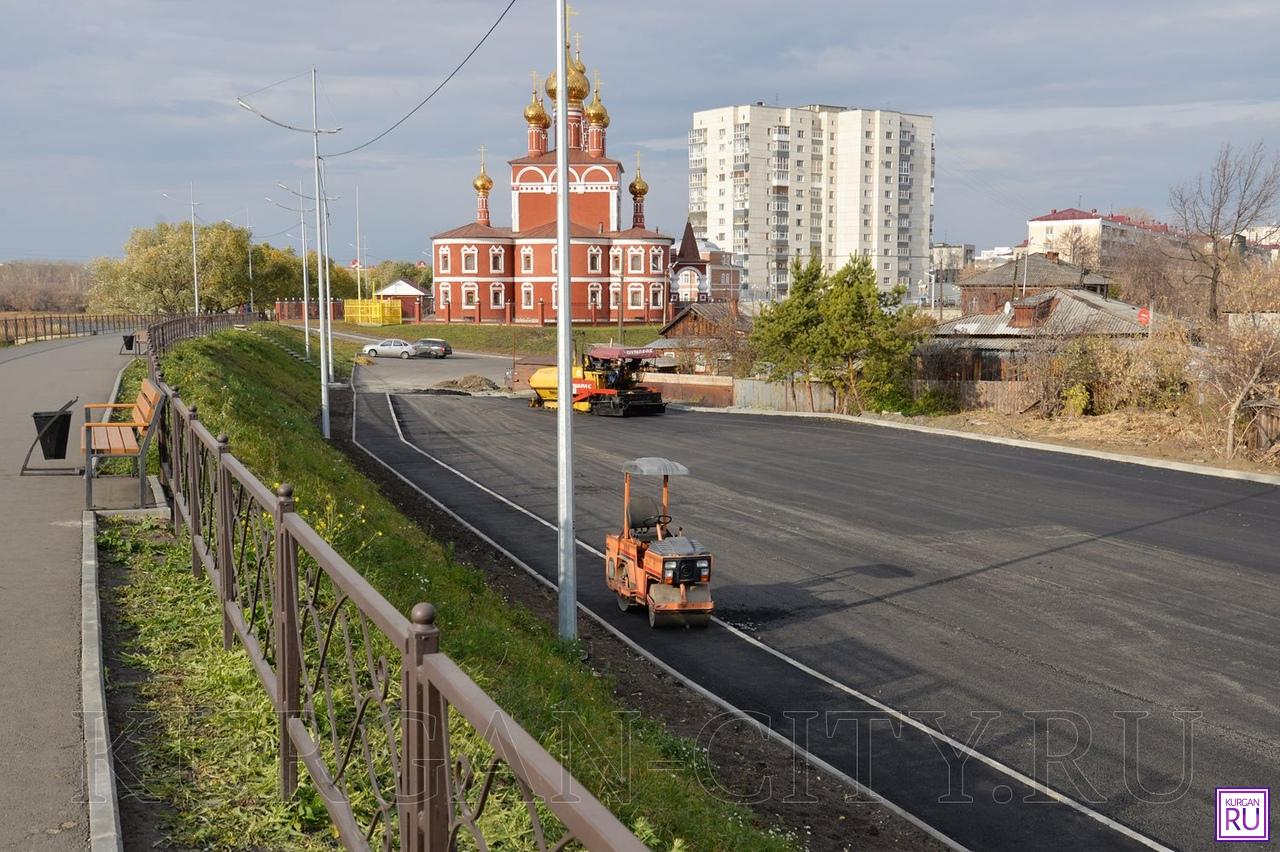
x=33 y=327
x=363 y=694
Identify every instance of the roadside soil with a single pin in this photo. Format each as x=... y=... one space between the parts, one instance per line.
x=142 y=816
x=1172 y=436
x=836 y=817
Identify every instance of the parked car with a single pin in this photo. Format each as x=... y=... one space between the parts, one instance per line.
x=434 y=347
x=391 y=348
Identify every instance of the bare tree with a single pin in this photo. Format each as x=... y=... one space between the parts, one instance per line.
x=1077 y=247
x=1239 y=192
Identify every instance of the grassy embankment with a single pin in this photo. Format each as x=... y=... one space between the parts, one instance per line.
x=503 y=339
x=265 y=401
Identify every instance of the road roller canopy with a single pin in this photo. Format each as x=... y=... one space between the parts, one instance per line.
x=654 y=466
x=622 y=353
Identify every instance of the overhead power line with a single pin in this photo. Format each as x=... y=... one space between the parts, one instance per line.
x=434 y=91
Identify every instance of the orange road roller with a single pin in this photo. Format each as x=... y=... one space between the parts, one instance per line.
x=647 y=565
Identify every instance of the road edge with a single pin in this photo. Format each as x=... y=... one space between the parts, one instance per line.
x=1105 y=455
x=100 y=778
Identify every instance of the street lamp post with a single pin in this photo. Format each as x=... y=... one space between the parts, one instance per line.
x=302 y=212
x=326 y=348
x=195 y=267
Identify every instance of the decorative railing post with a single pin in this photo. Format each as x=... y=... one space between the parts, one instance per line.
x=192 y=486
x=424 y=730
x=175 y=464
x=288 y=655
x=223 y=520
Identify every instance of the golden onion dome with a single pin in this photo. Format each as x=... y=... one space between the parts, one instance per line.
x=639 y=186
x=595 y=111
x=579 y=86
x=482 y=183
x=536 y=114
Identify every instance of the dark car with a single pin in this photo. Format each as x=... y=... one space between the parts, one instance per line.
x=433 y=347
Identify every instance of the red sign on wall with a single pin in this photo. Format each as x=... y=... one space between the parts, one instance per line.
x=1144 y=316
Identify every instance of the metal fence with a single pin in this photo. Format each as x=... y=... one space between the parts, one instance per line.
x=33 y=327
x=363 y=694
x=784 y=396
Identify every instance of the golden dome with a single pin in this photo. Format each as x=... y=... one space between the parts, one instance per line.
x=579 y=86
x=482 y=183
x=595 y=111
x=535 y=113
x=639 y=186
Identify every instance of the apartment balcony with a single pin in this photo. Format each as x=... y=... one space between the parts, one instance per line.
x=904 y=195
x=697 y=164
x=781 y=134
x=697 y=207
x=779 y=207
x=698 y=134
x=779 y=179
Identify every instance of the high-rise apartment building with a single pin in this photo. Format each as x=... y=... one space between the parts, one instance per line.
x=779 y=183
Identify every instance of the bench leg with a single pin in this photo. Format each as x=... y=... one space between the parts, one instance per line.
x=88 y=471
x=142 y=482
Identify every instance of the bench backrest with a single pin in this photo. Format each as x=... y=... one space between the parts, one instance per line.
x=144 y=407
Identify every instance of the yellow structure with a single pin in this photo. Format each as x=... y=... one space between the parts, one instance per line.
x=372 y=311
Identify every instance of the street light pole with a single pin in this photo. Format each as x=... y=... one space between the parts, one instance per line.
x=323 y=293
x=195 y=267
x=302 y=212
x=565 y=539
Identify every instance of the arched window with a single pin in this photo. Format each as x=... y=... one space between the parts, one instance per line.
x=655 y=259
x=615 y=260
x=655 y=295
x=446 y=294
x=497 y=295
x=469 y=259
x=526 y=260
x=555 y=259
x=497 y=258
x=555 y=297
x=526 y=296
x=615 y=290
x=594 y=293
x=635 y=260
x=688 y=285
x=443 y=264
x=593 y=260
x=635 y=297
x=470 y=295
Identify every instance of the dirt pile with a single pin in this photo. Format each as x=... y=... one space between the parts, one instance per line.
x=470 y=384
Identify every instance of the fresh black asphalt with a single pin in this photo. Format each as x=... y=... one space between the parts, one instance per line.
x=1038 y=604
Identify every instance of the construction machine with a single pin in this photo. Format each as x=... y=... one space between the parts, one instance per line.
x=605 y=383
x=647 y=565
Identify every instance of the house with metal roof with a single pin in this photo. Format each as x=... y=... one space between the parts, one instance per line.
x=1029 y=275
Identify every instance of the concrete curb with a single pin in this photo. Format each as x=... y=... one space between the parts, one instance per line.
x=100 y=777
x=1183 y=467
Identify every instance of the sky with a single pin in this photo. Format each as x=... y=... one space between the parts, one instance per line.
x=108 y=105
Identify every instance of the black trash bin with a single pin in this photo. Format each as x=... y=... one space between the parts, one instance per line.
x=128 y=343
x=53 y=427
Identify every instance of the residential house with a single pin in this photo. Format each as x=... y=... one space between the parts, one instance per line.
x=987 y=292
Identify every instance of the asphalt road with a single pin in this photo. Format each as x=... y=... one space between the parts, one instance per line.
x=1031 y=604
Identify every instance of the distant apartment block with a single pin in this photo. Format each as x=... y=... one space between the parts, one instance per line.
x=1087 y=237
x=773 y=184
x=947 y=260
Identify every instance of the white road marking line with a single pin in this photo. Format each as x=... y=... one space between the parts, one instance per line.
x=879 y=705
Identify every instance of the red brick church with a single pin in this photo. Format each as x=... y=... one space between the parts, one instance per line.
x=486 y=273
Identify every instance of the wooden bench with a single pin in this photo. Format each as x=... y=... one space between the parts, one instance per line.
x=129 y=438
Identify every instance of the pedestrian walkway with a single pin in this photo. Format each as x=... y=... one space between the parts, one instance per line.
x=42 y=796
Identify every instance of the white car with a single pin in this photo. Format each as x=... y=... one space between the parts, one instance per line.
x=391 y=348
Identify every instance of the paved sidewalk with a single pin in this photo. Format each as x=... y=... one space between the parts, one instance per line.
x=41 y=745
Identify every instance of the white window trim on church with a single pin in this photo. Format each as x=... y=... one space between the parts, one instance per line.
x=526 y=259
x=497 y=258
x=444 y=259
x=470 y=295
x=655 y=260
x=635 y=297
x=615 y=260
x=594 y=296
x=555 y=297
x=593 y=260
x=615 y=291
x=469 y=255
x=655 y=295
x=555 y=259
x=497 y=296
x=635 y=260
x=526 y=296
x=446 y=294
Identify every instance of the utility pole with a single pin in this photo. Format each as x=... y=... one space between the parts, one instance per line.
x=359 y=261
x=250 y=230
x=306 y=284
x=195 y=267
x=565 y=540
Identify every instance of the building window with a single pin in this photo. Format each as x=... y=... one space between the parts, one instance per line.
x=497 y=258
x=594 y=293
x=655 y=296
x=655 y=260
x=526 y=296
x=555 y=296
x=635 y=297
x=526 y=260
x=614 y=291
x=470 y=295
x=593 y=260
x=469 y=259
x=444 y=259
x=555 y=259
x=635 y=260
x=446 y=294
x=497 y=296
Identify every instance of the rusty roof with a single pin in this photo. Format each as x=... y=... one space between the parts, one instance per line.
x=1073 y=313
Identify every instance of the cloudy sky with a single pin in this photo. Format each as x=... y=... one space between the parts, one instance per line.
x=106 y=104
